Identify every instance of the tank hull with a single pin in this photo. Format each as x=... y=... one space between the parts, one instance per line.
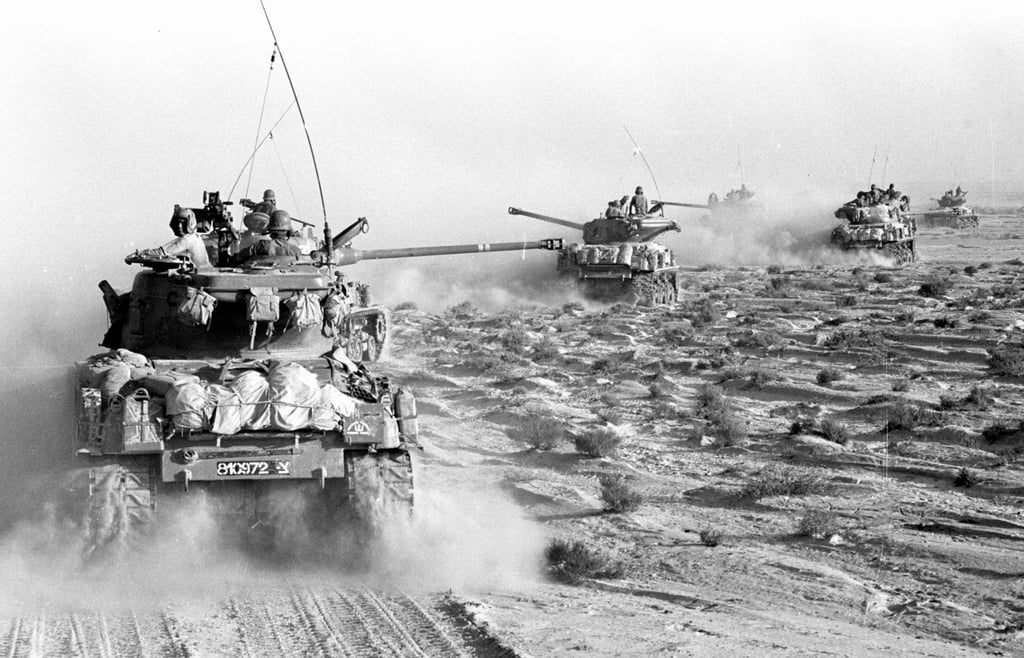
x=639 y=273
x=960 y=217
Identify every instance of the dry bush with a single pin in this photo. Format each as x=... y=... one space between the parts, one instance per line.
x=901 y=385
x=774 y=269
x=573 y=562
x=700 y=312
x=1000 y=431
x=606 y=366
x=883 y=277
x=666 y=409
x=828 y=375
x=597 y=442
x=980 y=397
x=935 y=286
x=758 y=339
x=674 y=336
x=514 y=339
x=903 y=416
x=609 y=415
x=710 y=398
x=1007 y=360
x=964 y=478
x=818 y=524
x=784 y=480
x=723 y=422
x=711 y=536
x=847 y=301
x=978 y=316
x=835 y=431
x=970 y=270
x=756 y=376
x=546 y=350
x=542 y=432
x=617 y=494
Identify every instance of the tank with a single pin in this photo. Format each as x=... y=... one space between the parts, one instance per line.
x=951 y=199
x=618 y=258
x=882 y=228
x=737 y=202
x=241 y=381
x=959 y=217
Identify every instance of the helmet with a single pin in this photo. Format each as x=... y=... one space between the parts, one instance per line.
x=280 y=220
x=639 y=190
x=268 y=195
x=183 y=221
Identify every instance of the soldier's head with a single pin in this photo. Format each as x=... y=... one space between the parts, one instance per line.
x=280 y=223
x=268 y=195
x=183 y=221
x=639 y=190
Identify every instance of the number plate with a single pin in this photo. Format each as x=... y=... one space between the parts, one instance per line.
x=255 y=468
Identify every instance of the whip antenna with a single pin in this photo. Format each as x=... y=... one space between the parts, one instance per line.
x=642 y=157
x=284 y=65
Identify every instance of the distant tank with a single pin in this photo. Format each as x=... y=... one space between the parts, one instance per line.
x=735 y=202
x=880 y=227
x=618 y=258
x=244 y=379
x=950 y=217
x=951 y=199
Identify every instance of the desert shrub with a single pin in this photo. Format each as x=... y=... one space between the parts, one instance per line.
x=406 y=306
x=758 y=339
x=979 y=315
x=985 y=266
x=948 y=322
x=964 y=478
x=901 y=385
x=542 y=432
x=818 y=524
x=935 y=286
x=847 y=301
x=774 y=269
x=728 y=428
x=609 y=415
x=514 y=339
x=835 y=431
x=970 y=270
x=861 y=279
x=779 y=285
x=700 y=312
x=980 y=397
x=572 y=561
x=1007 y=360
x=546 y=349
x=883 y=277
x=606 y=366
x=674 y=336
x=1015 y=261
x=948 y=401
x=598 y=442
x=828 y=375
x=711 y=536
x=999 y=431
x=784 y=480
x=756 y=376
x=709 y=399
x=617 y=494
x=903 y=416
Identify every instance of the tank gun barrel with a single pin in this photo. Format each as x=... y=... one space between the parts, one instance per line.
x=545 y=218
x=349 y=256
x=680 y=204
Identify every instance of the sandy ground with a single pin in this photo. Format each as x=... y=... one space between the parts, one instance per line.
x=913 y=565
x=918 y=495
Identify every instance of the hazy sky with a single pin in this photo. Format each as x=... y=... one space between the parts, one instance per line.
x=432 y=118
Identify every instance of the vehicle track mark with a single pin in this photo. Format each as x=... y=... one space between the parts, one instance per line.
x=10 y=642
x=414 y=623
x=377 y=642
x=326 y=640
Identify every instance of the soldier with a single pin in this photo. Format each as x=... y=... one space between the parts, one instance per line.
x=959 y=192
x=267 y=206
x=277 y=244
x=614 y=210
x=187 y=242
x=638 y=204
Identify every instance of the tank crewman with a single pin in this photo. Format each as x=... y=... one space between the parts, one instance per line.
x=614 y=210
x=276 y=244
x=959 y=192
x=187 y=243
x=267 y=206
x=876 y=194
x=638 y=204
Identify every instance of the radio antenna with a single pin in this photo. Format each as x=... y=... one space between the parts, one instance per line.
x=284 y=65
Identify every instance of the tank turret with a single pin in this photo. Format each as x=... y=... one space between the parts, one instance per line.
x=618 y=258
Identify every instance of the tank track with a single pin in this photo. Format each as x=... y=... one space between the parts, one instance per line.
x=901 y=252
x=645 y=288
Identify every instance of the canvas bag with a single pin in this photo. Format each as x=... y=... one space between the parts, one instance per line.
x=197 y=309
x=304 y=310
x=263 y=305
